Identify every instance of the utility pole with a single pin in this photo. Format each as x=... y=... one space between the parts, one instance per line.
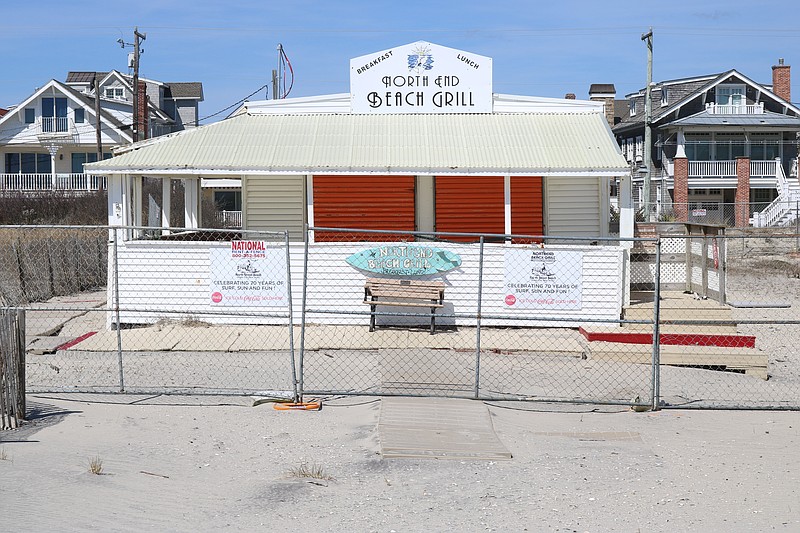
x=137 y=51
x=137 y=41
x=96 y=83
x=648 y=135
x=277 y=76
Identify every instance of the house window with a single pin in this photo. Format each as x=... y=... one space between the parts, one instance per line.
x=730 y=146
x=228 y=200
x=732 y=95
x=632 y=107
x=30 y=115
x=664 y=96
x=80 y=115
x=698 y=147
x=764 y=146
x=27 y=163
x=54 y=114
x=80 y=158
x=115 y=93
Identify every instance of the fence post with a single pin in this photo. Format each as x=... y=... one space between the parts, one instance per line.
x=656 y=379
x=291 y=315
x=478 y=323
x=303 y=313
x=115 y=266
x=21 y=407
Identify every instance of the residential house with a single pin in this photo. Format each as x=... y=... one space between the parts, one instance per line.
x=46 y=139
x=724 y=149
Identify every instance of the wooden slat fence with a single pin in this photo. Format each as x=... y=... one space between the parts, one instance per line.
x=12 y=368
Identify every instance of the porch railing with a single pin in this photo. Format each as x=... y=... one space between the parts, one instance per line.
x=230 y=219
x=746 y=109
x=50 y=182
x=727 y=169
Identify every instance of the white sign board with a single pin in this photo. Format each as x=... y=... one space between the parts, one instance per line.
x=248 y=273
x=421 y=78
x=537 y=278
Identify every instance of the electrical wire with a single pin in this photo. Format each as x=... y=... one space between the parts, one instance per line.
x=197 y=122
x=284 y=63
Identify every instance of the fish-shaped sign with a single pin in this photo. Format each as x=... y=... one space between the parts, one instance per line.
x=405 y=260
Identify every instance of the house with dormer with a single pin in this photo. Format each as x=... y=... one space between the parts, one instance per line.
x=47 y=138
x=724 y=149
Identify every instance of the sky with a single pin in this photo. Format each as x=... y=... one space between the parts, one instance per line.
x=539 y=48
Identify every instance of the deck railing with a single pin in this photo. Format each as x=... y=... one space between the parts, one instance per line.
x=742 y=109
x=230 y=219
x=49 y=182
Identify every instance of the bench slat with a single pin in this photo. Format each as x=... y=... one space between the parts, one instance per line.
x=406 y=304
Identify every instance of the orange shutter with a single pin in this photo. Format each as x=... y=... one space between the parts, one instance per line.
x=363 y=202
x=470 y=204
x=527 y=215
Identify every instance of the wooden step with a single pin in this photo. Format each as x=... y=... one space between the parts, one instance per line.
x=751 y=361
x=703 y=337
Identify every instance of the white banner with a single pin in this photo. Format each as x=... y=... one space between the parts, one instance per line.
x=421 y=78
x=248 y=273
x=536 y=278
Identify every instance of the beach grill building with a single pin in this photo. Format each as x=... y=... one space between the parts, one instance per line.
x=421 y=143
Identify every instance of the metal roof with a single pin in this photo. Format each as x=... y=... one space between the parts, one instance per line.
x=704 y=118
x=457 y=144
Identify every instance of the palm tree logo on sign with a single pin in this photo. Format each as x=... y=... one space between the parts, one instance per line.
x=420 y=60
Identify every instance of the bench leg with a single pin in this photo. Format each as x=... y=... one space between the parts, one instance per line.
x=372 y=318
x=433 y=320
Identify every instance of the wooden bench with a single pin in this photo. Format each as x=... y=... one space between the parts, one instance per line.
x=405 y=293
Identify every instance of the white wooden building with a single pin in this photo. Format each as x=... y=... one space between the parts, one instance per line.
x=403 y=152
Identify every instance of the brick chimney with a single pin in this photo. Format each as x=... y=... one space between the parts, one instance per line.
x=143 y=119
x=605 y=93
x=782 y=80
x=569 y=96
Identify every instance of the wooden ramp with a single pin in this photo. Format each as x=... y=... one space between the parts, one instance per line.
x=438 y=428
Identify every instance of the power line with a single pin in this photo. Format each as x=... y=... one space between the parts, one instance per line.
x=197 y=122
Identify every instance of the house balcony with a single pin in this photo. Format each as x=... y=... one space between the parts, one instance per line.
x=722 y=174
x=740 y=109
x=73 y=183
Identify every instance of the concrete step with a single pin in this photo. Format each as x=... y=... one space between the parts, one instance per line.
x=748 y=360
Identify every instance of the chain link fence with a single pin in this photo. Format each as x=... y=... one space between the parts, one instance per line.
x=502 y=317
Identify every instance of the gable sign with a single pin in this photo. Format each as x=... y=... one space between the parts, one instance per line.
x=405 y=260
x=421 y=78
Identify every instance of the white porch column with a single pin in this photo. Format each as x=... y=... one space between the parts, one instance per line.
x=136 y=183
x=116 y=201
x=626 y=211
x=507 y=203
x=53 y=177
x=191 y=203
x=681 y=148
x=309 y=205
x=166 y=204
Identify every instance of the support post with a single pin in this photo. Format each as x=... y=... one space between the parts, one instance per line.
x=648 y=135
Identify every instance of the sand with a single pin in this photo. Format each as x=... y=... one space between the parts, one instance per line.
x=187 y=463
x=208 y=464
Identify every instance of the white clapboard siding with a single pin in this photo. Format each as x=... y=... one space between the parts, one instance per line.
x=573 y=207
x=167 y=279
x=275 y=203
